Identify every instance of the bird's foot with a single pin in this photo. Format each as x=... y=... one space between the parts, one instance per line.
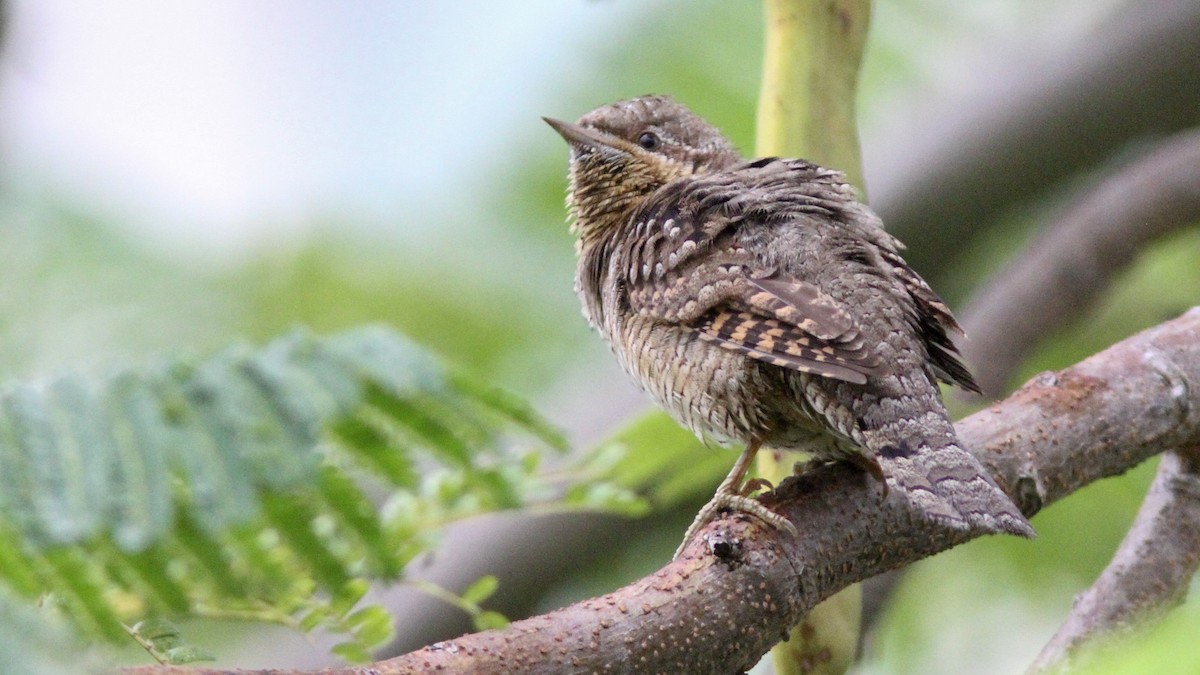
x=734 y=501
x=870 y=465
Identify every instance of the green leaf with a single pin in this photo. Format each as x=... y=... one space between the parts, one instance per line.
x=657 y=457
x=352 y=652
x=348 y=596
x=294 y=519
x=156 y=630
x=80 y=586
x=178 y=656
x=481 y=589
x=151 y=566
x=488 y=620
x=313 y=618
x=607 y=497
x=512 y=408
x=162 y=639
x=372 y=625
x=141 y=508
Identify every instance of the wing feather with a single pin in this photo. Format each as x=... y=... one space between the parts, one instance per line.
x=690 y=267
x=734 y=300
x=774 y=342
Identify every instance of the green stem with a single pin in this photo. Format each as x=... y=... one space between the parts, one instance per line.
x=806 y=108
x=449 y=597
x=144 y=644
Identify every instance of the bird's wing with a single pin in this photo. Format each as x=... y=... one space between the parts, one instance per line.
x=935 y=323
x=685 y=266
x=783 y=344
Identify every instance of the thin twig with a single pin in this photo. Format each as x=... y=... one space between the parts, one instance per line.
x=1150 y=572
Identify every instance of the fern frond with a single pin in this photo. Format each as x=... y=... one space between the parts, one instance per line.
x=251 y=479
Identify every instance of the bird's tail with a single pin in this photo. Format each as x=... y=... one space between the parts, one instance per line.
x=923 y=460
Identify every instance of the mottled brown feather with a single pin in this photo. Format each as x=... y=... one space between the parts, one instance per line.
x=686 y=266
x=761 y=302
x=779 y=344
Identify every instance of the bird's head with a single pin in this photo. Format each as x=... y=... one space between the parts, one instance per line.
x=624 y=151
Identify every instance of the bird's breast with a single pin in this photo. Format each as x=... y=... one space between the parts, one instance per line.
x=715 y=392
x=705 y=388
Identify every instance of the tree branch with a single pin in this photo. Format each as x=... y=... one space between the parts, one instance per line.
x=1151 y=570
x=1063 y=270
x=740 y=585
x=720 y=606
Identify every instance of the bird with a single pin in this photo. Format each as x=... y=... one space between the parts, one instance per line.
x=762 y=304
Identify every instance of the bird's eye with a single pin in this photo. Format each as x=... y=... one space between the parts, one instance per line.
x=648 y=140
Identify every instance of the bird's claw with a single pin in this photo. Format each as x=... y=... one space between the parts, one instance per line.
x=733 y=501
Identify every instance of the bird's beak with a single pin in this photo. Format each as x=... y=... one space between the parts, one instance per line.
x=584 y=140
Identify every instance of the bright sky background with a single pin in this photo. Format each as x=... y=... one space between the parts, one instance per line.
x=211 y=123
x=209 y=120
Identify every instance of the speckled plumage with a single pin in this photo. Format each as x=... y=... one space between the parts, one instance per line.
x=761 y=302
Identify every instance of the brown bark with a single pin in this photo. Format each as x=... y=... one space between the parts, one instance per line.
x=739 y=585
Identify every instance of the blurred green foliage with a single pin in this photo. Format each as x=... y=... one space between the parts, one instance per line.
x=34 y=643
x=1168 y=649
x=270 y=484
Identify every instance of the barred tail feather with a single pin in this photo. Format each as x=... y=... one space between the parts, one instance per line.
x=949 y=486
